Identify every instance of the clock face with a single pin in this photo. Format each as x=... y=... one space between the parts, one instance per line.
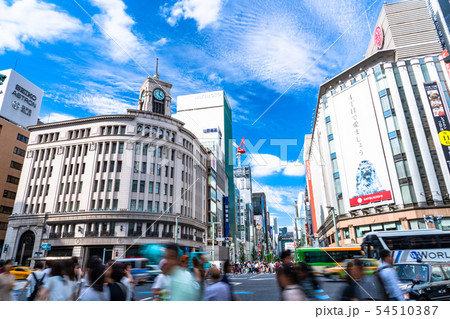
x=158 y=94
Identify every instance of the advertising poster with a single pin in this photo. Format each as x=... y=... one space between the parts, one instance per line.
x=440 y=116
x=361 y=147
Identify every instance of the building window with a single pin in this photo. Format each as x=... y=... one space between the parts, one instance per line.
x=137 y=150
x=19 y=151
x=134 y=187
x=119 y=166
x=9 y=194
x=121 y=144
x=149 y=206
x=115 y=202
x=140 y=205
x=102 y=185
x=117 y=185
x=22 y=138
x=159 y=152
x=150 y=187
x=156 y=207
x=110 y=183
x=12 y=180
x=136 y=167
x=157 y=188
x=144 y=167
x=133 y=204
x=111 y=166
x=142 y=187
x=16 y=165
x=158 y=170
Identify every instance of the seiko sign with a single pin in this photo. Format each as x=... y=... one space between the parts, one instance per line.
x=20 y=100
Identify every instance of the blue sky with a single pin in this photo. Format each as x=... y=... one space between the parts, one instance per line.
x=253 y=49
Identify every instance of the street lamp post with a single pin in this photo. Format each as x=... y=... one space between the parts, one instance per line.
x=331 y=209
x=176 y=229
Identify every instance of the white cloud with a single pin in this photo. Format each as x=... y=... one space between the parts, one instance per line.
x=294 y=169
x=268 y=164
x=33 y=21
x=204 y=12
x=56 y=117
x=100 y=104
x=279 y=199
x=161 y=42
x=117 y=26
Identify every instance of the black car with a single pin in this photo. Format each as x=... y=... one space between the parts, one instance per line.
x=424 y=280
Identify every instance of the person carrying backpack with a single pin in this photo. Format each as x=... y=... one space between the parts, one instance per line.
x=35 y=280
x=388 y=278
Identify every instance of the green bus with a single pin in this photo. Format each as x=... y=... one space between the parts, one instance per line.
x=320 y=257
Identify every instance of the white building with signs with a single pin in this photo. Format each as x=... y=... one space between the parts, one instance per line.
x=379 y=156
x=107 y=184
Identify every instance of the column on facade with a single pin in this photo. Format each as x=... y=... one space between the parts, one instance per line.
x=442 y=161
x=405 y=223
x=383 y=133
x=352 y=231
x=406 y=137
x=420 y=133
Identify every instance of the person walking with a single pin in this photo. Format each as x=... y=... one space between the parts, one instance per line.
x=34 y=280
x=129 y=281
x=217 y=290
x=288 y=280
x=7 y=281
x=388 y=277
x=182 y=285
x=161 y=283
x=94 y=288
x=57 y=287
x=113 y=276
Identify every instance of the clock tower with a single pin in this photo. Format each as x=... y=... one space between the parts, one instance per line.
x=154 y=95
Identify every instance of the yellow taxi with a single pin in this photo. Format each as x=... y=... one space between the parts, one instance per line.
x=339 y=272
x=21 y=272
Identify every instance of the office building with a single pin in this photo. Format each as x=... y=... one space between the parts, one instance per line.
x=107 y=184
x=377 y=158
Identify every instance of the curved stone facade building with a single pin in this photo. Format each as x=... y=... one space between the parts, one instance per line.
x=105 y=185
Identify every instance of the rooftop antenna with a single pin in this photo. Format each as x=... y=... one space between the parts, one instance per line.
x=15 y=65
x=156 y=74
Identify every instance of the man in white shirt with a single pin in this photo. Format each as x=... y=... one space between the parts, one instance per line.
x=37 y=276
x=161 y=283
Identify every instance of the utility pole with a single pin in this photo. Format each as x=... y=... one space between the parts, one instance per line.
x=295 y=222
x=176 y=229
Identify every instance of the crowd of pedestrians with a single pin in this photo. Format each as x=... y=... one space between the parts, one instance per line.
x=255 y=267
x=179 y=281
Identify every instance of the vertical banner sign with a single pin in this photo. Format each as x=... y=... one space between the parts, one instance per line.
x=311 y=195
x=227 y=219
x=440 y=115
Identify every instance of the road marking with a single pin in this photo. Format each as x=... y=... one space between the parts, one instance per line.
x=149 y=298
x=263 y=279
x=235 y=283
x=242 y=292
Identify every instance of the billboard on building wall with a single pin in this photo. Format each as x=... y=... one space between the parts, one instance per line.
x=20 y=100
x=440 y=116
x=361 y=152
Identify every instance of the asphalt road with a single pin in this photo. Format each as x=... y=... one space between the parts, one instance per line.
x=246 y=287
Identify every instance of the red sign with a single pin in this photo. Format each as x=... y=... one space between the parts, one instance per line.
x=311 y=195
x=444 y=54
x=378 y=37
x=377 y=197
